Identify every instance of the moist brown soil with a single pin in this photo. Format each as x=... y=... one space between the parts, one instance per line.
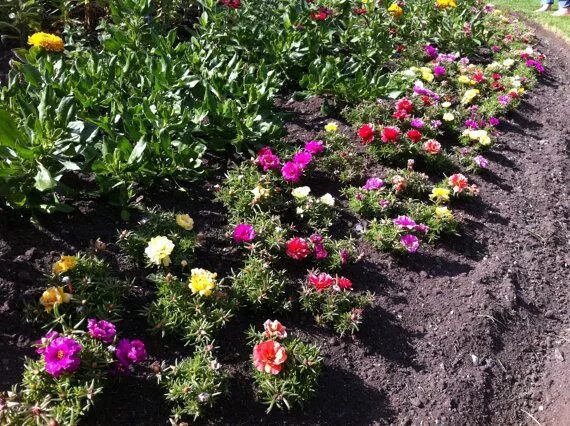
x=467 y=332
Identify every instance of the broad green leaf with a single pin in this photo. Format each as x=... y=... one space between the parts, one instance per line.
x=43 y=178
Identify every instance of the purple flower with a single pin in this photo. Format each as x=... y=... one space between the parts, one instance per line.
x=431 y=51
x=316 y=239
x=321 y=252
x=244 y=233
x=267 y=160
x=446 y=57
x=45 y=341
x=410 y=243
x=405 y=222
x=531 y=63
x=496 y=48
x=303 y=158
x=464 y=61
x=62 y=356
x=504 y=100
x=292 y=171
x=343 y=256
x=422 y=228
x=481 y=161
x=314 y=147
x=101 y=330
x=493 y=121
x=128 y=352
x=383 y=203
x=420 y=90
x=417 y=123
x=472 y=124
x=439 y=71
x=373 y=184
x=436 y=124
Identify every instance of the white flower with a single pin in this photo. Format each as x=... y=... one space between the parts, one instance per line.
x=448 y=116
x=446 y=104
x=508 y=62
x=327 y=199
x=158 y=250
x=301 y=192
x=300 y=211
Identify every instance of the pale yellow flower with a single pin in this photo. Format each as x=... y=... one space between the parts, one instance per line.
x=469 y=95
x=327 y=199
x=463 y=79
x=442 y=212
x=259 y=193
x=158 y=250
x=185 y=221
x=202 y=281
x=331 y=127
x=448 y=116
x=301 y=192
x=439 y=195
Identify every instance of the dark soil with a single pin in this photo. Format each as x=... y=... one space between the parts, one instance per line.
x=468 y=332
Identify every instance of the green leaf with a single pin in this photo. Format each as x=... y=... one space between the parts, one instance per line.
x=43 y=178
x=137 y=152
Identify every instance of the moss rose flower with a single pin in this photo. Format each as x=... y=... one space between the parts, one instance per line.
x=269 y=357
x=62 y=356
x=298 y=248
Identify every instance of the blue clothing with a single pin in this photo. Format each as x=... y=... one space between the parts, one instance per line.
x=561 y=3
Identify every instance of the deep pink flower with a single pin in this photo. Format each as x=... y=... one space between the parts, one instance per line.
x=439 y=71
x=321 y=281
x=414 y=135
x=45 y=341
x=244 y=233
x=298 y=248
x=291 y=171
x=303 y=158
x=366 y=133
x=315 y=147
x=390 y=134
x=405 y=222
x=101 y=330
x=422 y=228
x=410 y=243
x=62 y=356
x=405 y=105
x=130 y=351
x=268 y=160
x=344 y=283
x=344 y=255
x=320 y=252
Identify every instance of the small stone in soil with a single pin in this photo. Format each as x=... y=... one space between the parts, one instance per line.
x=558 y=354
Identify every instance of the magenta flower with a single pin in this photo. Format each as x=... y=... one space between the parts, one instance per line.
x=101 y=330
x=481 y=161
x=373 y=184
x=62 y=356
x=320 y=252
x=504 y=100
x=316 y=238
x=410 y=243
x=417 y=123
x=422 y=228
x=291 y=171
x=344 y=255
x=128 y=352
x=471 y=124
x=267 y=160
x=439 y=71
x=303 y=158
x=244 y=233
x=45 y=341
x=314 y=147
x=431 y=51
x=493 y=121
x=405 y=222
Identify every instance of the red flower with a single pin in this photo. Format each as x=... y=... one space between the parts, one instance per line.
x=496 y=76
x=344 y=283
x=426 y=100
x=322 y=14
x=432 y=147
x=366 y=133
x=269 y=356
x=390 y=134
x=400 y=114
x=405 y=104
x=478 y=77
x=414 y=135
x=321 y=281
x=234 y=4
x=274 y=329
x=400 y=48
x=358 y=11
x=298 y=248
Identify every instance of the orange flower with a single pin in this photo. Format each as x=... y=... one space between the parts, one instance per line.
x=47 y=41
x=269 y=356
x=458 y=182
x=64 y=264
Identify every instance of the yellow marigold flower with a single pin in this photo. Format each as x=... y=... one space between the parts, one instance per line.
x=54 y=296
x=64 y=264
x=439 y=195
x=442 y=212
x=185 y=221
x=202 y=281
x=463 y=79
x=47 y=41
x=469 y=95
x=395 y=10
x=331 y=127
x=158 y=250
x=444 y=4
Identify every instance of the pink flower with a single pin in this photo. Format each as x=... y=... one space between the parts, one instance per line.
x=410 y=243
x=344 y=283
x=244 y=233
x=458 y=181
x=432 y=147
x=390 y=134
x=269 y=357
x=373 y=184
x=321 y=252
x=298 y=248
x=405 y=222
x=267 y=160
x=128 y=352
x=62 y=356
x=314 y=147
x=274 y=329
x=302 y=158
x=101 y=330
x=292 y=171
x=321 y=281
x=366 y=133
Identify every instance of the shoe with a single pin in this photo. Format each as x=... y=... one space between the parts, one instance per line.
x=544 y=8
x=563 y=11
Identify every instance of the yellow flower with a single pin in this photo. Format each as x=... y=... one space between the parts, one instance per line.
x=481 y=136
x=448 y=116
x=395 y=10
x=442 y=212
x=463 y=79
x=64 y=264
x=427 y=74
x=185 y=221
x=331 y=127
x=444 y=4
x=439 y=195
x=54 y=296
x=202 y=281
x=158 y=250
x=47 y=41
x=469 y=95
x=521 y=91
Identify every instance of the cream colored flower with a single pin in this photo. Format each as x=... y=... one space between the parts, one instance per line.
x=185 y=221
x=448 y=116
x=301 y=192
x=158 y=250
x=327 y=199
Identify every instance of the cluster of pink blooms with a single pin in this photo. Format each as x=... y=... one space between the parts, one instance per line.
x=61 y=354
x=270 y=356
x=323 y=281
x=291 y=170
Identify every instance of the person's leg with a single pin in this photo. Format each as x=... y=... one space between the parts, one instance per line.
x=563 y=8
x=546 y=5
